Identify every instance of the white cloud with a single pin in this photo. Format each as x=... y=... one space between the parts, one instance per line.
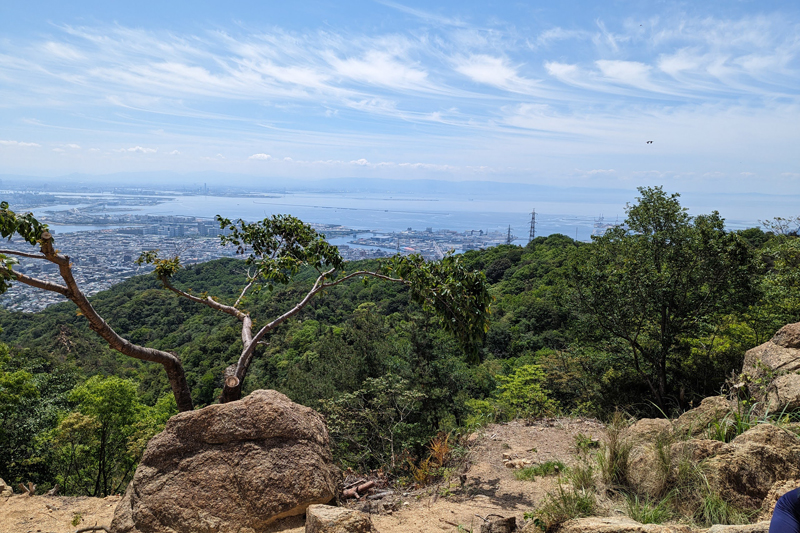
x=62 y=51
x=424 y=15
x=381 y=68
x=562 y=71
x=138 y=150
x=20 y=144
x=260 y=157
x=681 y=61
x=487 y=69
x=626 y=72
x=73 y=146
x=431 y=90
x=495 y=71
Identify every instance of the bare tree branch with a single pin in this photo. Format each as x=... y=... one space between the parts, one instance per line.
x=246 y=288
x=208 y=300
x=361 y=273
x=169 y=361
x=23 y=254
x=251 y=342
x=35 y=282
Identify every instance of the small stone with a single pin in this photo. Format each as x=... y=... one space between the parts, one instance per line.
x=328 y=519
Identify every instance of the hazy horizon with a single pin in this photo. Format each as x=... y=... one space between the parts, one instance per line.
x=739 y=209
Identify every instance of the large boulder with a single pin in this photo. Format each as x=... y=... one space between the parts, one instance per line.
x=695 y=422
x=647 y=431
x=5 y=490
x=745 y=470
x=231 y=468
x=772 y=370
x=652 y=468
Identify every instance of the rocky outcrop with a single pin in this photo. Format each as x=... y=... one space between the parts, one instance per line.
x=5 y=490
x=327 y=519
x=778 y=489
x=232 y=467
x=744 y=471
x=626 y=525
x=760 y=527
x=771 y=370
x=647 y=431
x=695 y=422
x=617 y=525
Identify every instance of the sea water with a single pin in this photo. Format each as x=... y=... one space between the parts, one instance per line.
x=384 y=213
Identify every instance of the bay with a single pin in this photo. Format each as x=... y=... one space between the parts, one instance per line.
x=385 y=213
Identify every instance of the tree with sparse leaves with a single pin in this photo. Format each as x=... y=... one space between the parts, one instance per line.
x=276 y=250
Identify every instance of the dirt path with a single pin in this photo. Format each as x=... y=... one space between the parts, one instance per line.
x=54 y=514
x=490 y=488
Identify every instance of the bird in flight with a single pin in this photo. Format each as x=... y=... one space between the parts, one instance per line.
x=649 y=142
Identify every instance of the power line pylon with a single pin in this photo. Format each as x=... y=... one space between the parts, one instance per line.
x=508 y=239
x=533 y=226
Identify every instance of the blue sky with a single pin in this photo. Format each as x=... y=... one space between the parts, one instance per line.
x=558 y=93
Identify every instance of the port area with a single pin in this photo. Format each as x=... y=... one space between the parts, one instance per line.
x=430 y=243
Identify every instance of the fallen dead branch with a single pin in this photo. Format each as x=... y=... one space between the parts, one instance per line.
x=354 y=492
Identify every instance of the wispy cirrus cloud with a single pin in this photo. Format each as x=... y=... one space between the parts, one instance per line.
x=443 y=82
x=494 y=71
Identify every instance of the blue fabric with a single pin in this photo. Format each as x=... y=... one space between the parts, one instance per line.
x=786 y=518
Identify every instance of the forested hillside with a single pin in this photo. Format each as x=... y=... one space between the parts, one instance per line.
x=627 y=321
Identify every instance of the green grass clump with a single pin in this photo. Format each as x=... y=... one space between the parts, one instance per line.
x=566 y=503
x=548 y=468
x=614 y=456
x=712 y=509
x=646 y=511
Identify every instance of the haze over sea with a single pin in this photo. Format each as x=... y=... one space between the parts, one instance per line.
x=572 y=212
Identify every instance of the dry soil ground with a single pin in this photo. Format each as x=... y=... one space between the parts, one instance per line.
x=489 y=488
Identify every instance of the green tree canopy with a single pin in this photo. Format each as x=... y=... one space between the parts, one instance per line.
x=660 y=278
x=277 y=249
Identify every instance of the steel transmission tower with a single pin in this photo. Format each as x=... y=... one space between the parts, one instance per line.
x=533 y=226
x=508 y=239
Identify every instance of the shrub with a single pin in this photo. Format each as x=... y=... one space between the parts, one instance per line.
x=584 y=443
x=522 y=394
